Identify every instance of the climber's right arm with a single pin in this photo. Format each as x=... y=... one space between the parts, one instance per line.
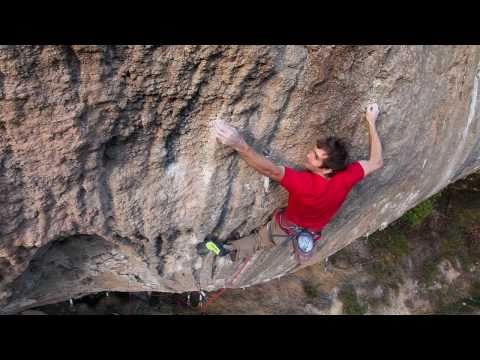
x=260 y=163
x=229 y=136
x=376 y=161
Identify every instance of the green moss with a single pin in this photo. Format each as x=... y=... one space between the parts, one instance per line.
x=351 y=305
x=419 y=213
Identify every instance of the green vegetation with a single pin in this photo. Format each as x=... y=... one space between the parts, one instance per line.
x=452 y=242
x=392 y=244
x=466 y=217
x=456 y=243
x=351 y=305
x=428 y=271
x=417 y=215
x=466 y=305
x=388 y=249
x=386 y=274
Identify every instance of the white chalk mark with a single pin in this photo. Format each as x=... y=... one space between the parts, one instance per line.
x=266 y=184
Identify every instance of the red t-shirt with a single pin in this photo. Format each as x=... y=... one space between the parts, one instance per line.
x=314 y=200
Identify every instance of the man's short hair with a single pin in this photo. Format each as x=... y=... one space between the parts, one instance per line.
x=337 y=153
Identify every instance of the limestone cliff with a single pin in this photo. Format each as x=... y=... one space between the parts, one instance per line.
x=109 y=174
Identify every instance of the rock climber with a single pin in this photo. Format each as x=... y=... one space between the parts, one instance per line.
x=315 y=194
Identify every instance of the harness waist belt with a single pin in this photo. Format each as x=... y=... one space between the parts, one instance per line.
x=291 y=228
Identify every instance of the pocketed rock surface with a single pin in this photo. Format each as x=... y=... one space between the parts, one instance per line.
x=110 y=174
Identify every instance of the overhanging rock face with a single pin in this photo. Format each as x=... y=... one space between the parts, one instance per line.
x=109 y=174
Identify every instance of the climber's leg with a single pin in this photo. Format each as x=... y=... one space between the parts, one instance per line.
x=268 y=236
x=278 y=236
x=243 y=248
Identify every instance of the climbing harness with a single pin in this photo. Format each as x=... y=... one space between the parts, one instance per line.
x=303 y=240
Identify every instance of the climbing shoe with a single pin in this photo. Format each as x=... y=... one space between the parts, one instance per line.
x=211 y=244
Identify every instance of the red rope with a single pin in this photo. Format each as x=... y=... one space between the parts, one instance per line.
x=216 y=295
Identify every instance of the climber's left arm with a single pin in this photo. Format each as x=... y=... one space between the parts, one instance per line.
x=229 y=136
x=376 y=160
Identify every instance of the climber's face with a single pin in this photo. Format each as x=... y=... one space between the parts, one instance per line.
x=315 y=159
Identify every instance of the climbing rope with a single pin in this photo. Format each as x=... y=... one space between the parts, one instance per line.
x=230 y=283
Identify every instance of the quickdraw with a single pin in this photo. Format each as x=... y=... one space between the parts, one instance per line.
x=194 y=301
